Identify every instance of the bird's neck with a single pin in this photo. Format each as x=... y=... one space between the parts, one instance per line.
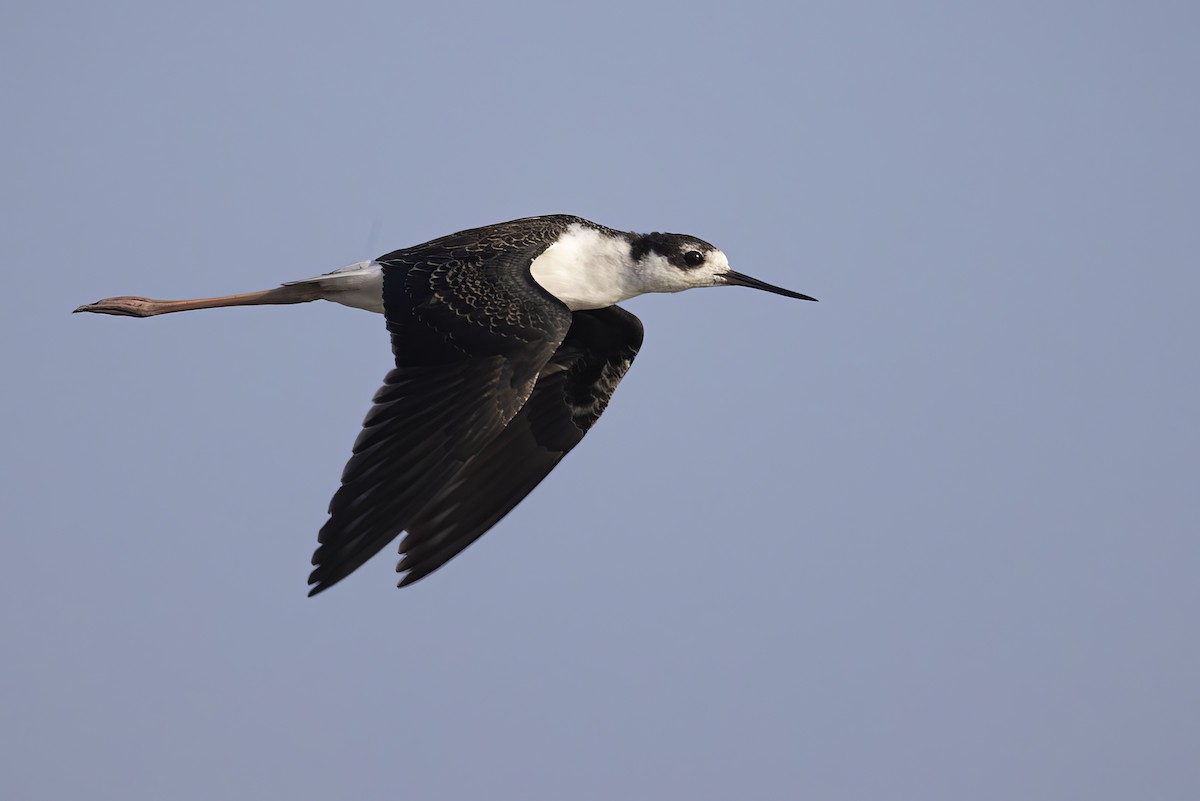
x=589 y=269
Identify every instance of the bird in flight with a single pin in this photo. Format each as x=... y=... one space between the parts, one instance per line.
x=508 y=347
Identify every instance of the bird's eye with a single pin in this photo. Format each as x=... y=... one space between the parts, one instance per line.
x=693 y=258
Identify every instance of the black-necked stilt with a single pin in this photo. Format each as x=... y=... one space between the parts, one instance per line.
x=508 y=347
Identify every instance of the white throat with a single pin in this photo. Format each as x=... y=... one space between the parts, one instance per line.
x=587 y=269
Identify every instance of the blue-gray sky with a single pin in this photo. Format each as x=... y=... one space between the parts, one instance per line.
x=934 y=537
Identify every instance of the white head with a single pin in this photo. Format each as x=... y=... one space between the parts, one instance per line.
x=675 y=262
x=590 y=267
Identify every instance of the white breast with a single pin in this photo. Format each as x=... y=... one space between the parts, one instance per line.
x=587 y=270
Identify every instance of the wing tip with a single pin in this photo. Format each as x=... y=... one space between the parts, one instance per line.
x=410 y=579
x=322 y=578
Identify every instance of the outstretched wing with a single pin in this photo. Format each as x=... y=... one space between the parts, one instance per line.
x=570 y=395
x=471 y=331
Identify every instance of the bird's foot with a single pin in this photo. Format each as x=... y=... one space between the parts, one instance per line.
x=125 y=305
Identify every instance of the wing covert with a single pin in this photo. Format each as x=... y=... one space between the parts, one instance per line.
x=471 y=331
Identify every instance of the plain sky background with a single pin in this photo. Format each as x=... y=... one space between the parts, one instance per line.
x=935 y=537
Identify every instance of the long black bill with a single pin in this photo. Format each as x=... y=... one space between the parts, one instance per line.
x=738 y=279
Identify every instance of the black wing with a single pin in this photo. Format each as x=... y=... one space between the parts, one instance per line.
x=570 y=395
x=471 y=331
